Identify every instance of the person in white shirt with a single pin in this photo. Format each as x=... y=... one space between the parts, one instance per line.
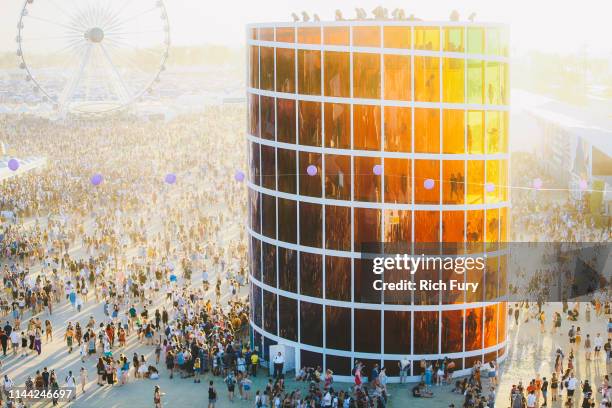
x=531 y=400
x=598 y=343
x=15 y=340
x=404 y=366
x=279 y=362
x=571 y=386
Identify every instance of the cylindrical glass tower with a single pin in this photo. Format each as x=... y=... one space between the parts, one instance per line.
x=428 y=103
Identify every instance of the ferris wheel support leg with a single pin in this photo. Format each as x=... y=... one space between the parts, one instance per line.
x=74 y=82
x=123 y=91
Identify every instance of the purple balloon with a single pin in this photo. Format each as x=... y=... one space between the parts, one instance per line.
x=239 y=176
x=170 y=178
x=537 y=183
x=96 y=179
x=377 y=169
x=490 y=187
x=583 y=184
x=429 y=184
x=13 y=164
x=311 y=170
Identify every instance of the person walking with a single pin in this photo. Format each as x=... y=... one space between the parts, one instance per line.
x=212 y=395
x=157 y=397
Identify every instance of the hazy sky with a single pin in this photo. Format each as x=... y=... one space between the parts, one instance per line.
x=554 y=25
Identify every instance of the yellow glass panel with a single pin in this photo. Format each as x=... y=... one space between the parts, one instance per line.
x=366 y=36
x=427 y=38
x=398 y=134
x=453 y=39
x=453 y=77
x=426 y=130
x=285 y=34
x=336 y=36
x=427 y=79
x=504 y=41
x=475 y=81
x=493 y=41
x=397 y=77
x=493 y=178
x=397 y=37
x=475 y=132
x=366 y=75
x=503 y=132
x=366 y=127
x=505 y=88
x=309 y=35
x=494 y=82
x=503 y=179
x=494 y=129
x=475 y=182
x=475 y=40
x=453 y=131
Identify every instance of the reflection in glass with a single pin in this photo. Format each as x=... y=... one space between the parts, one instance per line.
x=426 y=226
x=453 y=39
x=268 y=206
x=256 y=304
x=453 y=226
x=287 y=180
x=285 y=112
x=253 y=113
x=309 y=72
x=366 y=127
x=268 y=167
x=397 y=37
x=266 y=57
x=398 y=133
x=475 y=81
x=398 y=226
x=287 y=318
x=398 y=183
x=254 y=67
x=426 y=79
x=311 y=324
x=368 y=226
x=309 y=35
x=287 y=269
x=367 y=184
x=310 y=123
x=269 y=264
x=310 y=185
x=453 y=77
x=427 y=38
x=285 y=70
x=453 y=174
x=338 y=228
x=287 y=214
x=397 y=332
x=337 y=74
x=255 y=208
x=337 y=278
x=426 y=130
x=426 y=170
x=336 y=35
x=338 y=328
x=426 y=324
x=338 y=125
x=269 y=311
x=338 y=177
x=310 y=224
x=367 y=328
x=267 y=117
x=255 y=175
x=255 y=252
x=453 y=131
x=475 y=186
x=366 y=36
x=285 y=34
x=452 y=331
x=397 y=77
x=475 y=132
x=366 y=75
x=311 y=274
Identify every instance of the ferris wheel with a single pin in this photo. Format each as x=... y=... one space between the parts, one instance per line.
x=92 y=56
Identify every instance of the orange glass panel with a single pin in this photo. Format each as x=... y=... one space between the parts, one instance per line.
x=475 y=132
x=253 y=115
x=502 y=312
x=338 y=229
x=452 y=331
x=453 y=77
x=475 y=276
x=310 y=185
x=267 y=118
x=493 y=177
x=336 y=36
x=398 y=134
x=338 y=125
x=453 y=226
x=285 y=127
x=493 y=132
x=366 y=75
x=475 y=226
x=492 y=225
x=397 y=37
x=426 y=324
x=309 y=35
x=453 y=176
x=337 y=74
x=426 y=226
x=398 y=182
x=309 y=123
x=427 y=38
x=398 y=226
x=424 y=170
x=266 y=34
x=426 y=130
x=366 y=127
x=503 y=225
x=252 y=34
x=397 y=77
x=475 y=182
x=368 y=226
x=254 y=67
x=285 y=34
x=490 y=325
x=285 y=70
x=267 y=68
x=453 y=39
x=309 y=72
x=453 y=131
x=367 y=184
x=366 y=36
x=338 y=177
x=427 y=79
x=473 y=328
